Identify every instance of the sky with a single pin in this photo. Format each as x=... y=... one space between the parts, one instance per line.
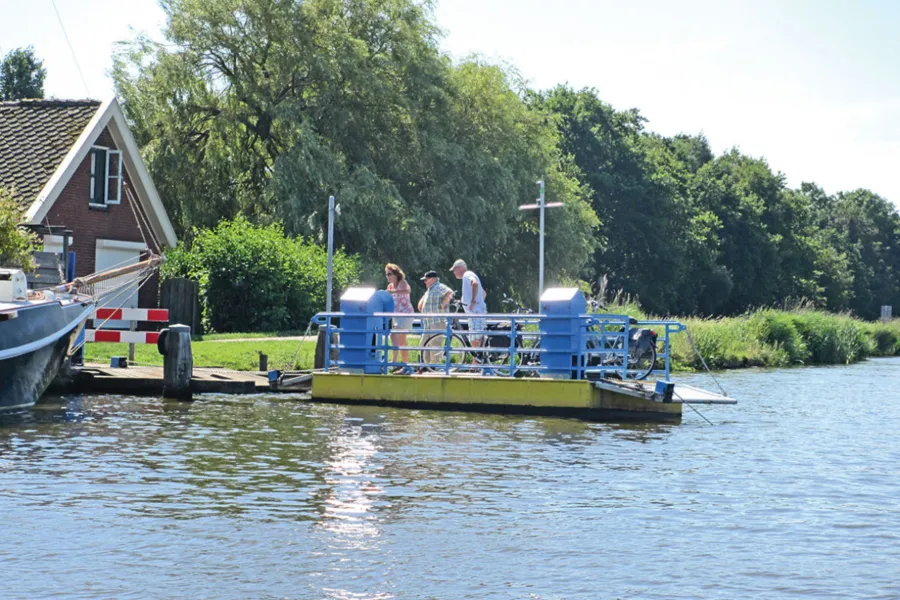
x=809 y=85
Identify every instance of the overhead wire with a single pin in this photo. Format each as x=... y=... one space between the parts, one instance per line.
x=71 y=49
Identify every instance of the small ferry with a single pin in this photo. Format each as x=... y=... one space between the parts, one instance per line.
x=563 y=361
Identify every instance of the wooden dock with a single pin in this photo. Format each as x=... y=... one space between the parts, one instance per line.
x=102 y=379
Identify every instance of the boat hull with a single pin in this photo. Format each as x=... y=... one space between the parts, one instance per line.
x=33 y=347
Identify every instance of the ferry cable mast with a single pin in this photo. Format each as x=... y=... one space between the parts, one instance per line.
x=541 y=205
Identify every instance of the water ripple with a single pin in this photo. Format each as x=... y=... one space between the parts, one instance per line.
x=789 y=494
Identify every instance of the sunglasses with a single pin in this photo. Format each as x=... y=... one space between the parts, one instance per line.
x=389 y=274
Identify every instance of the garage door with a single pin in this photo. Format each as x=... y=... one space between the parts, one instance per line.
x=113 y=254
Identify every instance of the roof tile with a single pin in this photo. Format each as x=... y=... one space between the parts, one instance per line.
x=35 y=136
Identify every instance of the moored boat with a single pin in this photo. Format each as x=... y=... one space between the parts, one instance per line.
x=39 y=328
x=37 y=331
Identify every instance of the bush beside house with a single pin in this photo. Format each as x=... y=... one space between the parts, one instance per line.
x=254 y=278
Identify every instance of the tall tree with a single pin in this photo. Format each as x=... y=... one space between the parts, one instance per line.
x=265 y=107
x=655 y=239
x=21 y=75
x=864 y=229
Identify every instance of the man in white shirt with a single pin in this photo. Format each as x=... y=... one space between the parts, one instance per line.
x=473 y=296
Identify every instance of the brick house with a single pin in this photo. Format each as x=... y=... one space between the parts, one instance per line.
x=74 y=163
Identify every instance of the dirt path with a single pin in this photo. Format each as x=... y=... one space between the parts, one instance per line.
x=298 y=338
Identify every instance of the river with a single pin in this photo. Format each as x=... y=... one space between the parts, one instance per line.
x=791 y=493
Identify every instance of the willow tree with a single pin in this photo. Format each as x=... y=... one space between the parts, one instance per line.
x=266 y=107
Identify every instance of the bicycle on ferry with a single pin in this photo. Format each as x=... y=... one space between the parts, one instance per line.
x=490 y=357
x=641 y=360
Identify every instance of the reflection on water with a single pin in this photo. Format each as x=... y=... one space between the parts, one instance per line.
x=791 y=493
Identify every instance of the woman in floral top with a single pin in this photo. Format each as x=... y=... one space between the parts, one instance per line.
x=399 y=289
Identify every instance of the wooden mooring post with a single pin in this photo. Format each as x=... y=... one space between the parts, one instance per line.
x=178 y=361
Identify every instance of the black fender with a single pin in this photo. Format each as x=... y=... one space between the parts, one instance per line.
x=161 y=341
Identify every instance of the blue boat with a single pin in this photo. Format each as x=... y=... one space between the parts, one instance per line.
x=37 y=332
x=38 y=328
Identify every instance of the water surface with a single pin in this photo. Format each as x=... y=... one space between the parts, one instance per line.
x=791 y=493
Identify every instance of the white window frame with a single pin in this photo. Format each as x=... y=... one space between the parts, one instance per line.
x=110 y=153
x=118 y=177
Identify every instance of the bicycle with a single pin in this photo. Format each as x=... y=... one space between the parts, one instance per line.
x=641 y=359
x=463 y=353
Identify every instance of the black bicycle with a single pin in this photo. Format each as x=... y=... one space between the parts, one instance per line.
x=641 y=359
x=464 y=356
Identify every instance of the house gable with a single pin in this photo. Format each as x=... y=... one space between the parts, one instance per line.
x=93 y=224
x=107 y=121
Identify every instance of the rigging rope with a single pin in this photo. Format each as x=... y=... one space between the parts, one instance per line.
x=139 y=217
x=705 y=366
x=146 y=277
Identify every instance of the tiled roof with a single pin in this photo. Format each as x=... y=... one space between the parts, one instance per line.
x=35 y=136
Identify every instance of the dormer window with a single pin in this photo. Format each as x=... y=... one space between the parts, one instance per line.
x=106 y=176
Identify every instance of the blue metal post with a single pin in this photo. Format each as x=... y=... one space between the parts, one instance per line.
x=327 y=343
x=362 y=332
x=448 y=346
x=70 y=266
x=560 y=331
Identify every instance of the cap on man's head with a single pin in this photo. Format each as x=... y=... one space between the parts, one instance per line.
x=429 y=274
x=459 y=263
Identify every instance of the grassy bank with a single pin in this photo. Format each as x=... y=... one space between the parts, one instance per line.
x=240 y=356
x=764 y=338
x=778 y=338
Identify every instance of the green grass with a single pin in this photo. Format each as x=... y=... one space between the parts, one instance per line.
x=771 y=338
x=240 y=356
x=211 y=337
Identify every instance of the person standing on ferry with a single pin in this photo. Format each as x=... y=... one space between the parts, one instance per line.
x=399 y=289
x=473 y=296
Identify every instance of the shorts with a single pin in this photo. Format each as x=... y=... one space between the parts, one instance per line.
x=477 y=324
x=402 y=323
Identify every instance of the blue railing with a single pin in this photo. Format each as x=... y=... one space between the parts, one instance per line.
x=446 y=343
x=511 y=345
x=607 y=348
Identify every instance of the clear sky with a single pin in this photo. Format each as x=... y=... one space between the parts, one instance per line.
x=811 y=85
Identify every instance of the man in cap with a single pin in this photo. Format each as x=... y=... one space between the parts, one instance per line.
x=435 y=300
x=473 y=296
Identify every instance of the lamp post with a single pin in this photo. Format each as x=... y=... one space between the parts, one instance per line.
x=330 y=253
x=540 y=205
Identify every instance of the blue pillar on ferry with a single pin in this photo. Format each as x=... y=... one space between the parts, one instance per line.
x=561 y=336
x=361 y=330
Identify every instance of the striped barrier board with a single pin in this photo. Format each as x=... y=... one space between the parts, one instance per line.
x=158 y=315
x=130 y=337
x=101 y=315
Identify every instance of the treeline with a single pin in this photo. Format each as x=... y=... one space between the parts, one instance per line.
x=264 y=108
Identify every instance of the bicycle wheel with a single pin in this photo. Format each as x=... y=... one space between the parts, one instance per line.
x=435 y=352
x=643 y=364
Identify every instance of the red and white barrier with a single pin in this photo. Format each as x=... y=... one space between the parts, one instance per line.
x=153 y=315
x=129 y=337
x=158 y=315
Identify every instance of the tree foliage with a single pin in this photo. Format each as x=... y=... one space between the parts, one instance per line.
x=261 y=109
x=21 y=75
x=15 y=243
x=254 y=278
x=264 y=108
x=687 y=231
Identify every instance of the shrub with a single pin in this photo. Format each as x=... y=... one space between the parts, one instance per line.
x=833 y=339
x=15 y=243
x=254 y=278
x=778 y=329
